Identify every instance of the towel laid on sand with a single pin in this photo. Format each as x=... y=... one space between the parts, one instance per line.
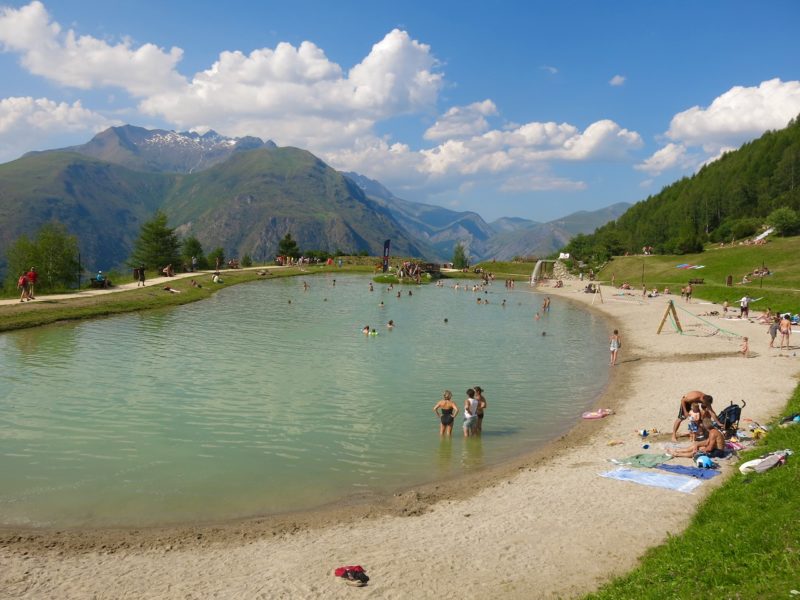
x=690 y=471
x=679 y=483
x=642 y=460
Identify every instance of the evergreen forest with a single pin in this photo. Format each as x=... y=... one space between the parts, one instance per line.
x=726 y=200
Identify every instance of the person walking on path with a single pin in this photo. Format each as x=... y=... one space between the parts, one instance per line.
x=22 y=285
x=615 y=345
x=32 y=277
x=140 y=276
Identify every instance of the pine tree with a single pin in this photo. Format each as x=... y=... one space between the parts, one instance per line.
x=191 y=247
x=157 y=246
x=288 y=247
x=460 y=260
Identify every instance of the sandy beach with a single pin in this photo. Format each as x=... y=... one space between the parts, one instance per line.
x=542 y=526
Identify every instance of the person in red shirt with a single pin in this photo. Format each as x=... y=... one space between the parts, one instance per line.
x=31 y=276
x=22 y=285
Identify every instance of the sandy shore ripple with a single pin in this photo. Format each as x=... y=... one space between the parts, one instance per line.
x=544 y=526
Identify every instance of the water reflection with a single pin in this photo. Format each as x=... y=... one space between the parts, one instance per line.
x=472 y=454
x=445 y=456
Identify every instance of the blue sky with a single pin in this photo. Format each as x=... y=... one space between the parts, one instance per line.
x=528 y=109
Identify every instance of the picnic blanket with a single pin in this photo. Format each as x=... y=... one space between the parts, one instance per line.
x=679 y=483
x=642 y=460
x=690 y=471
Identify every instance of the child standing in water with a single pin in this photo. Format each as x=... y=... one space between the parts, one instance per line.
x=615 y=345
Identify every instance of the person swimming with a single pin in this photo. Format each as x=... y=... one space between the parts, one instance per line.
x=365 y=329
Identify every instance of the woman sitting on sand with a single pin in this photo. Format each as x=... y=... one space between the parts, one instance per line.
x=447 y=416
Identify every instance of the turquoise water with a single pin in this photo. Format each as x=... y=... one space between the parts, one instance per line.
x=267 y=398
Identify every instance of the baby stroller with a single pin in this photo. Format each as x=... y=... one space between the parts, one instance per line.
x=729 y=418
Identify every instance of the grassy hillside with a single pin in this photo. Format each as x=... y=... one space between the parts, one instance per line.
x=102 y=204
x=780 y=290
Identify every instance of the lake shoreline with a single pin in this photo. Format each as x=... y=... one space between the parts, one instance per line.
x=549 y=508
x=404 y=501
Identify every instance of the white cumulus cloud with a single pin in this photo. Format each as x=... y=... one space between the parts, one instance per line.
x=21 y=114
x=617 y=80
x=462 y=121
x=669 y=157
x=700 y=135
x=296 y=95
x=84 y=61
x=38 y=120
x=738 y=115
x=516 y=160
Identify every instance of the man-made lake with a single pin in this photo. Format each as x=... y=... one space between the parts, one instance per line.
x=267 y=398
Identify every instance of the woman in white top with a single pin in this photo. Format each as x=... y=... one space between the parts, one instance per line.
x=470 y=413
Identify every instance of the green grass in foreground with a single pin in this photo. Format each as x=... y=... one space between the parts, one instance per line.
x=744 y=541
x=780 y=290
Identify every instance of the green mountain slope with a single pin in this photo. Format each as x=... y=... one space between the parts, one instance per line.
x=103 y=204
x=251 y=201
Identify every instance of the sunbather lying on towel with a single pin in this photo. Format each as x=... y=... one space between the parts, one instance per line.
x=713 y=446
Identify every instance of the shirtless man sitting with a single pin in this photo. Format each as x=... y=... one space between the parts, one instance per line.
x=686 y=406
x=713 y=446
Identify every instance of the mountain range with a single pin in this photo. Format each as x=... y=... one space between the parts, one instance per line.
x=244 y=195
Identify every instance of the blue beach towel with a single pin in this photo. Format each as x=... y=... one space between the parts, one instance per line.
x=690 y=471
x=679 y=483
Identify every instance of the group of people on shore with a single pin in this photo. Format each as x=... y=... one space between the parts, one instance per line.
x=696 y=407
x=474 y=408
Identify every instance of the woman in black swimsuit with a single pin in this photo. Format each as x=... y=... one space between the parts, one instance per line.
x=447 y=416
